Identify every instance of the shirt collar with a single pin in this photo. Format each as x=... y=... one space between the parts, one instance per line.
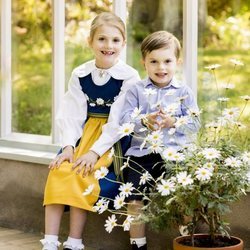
x=119 y=71
x=173 y=83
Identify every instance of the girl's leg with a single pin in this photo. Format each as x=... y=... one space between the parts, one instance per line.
x=78 y=219
x=53 y=215
x=137 y=229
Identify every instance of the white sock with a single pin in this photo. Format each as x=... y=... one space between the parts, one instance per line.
x=138 y=241
x=74 y=244
x=50 y=242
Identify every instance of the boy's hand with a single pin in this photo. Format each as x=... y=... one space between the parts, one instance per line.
x=86 y=163
x=66 y=155
x=151 y=121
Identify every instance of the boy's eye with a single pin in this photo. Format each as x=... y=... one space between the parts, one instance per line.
x=168 y=61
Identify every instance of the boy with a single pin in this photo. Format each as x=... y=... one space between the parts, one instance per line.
x=164 y=103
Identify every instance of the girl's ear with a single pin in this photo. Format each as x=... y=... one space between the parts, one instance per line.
x=89 y=41
x=179 y=61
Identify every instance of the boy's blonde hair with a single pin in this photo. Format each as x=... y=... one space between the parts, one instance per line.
x=158 y=40
x=107 y=18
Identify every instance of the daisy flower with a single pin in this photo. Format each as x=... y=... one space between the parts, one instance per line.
x=99 y=101
x=119 y=201
x=126 y=224
x=231 y=113
x=203 y=174
x=144 y=178
x=126 y=189
x=210 y=153
x=126 y=129
x=246 y=157
x=245 y=97
x=228 y=86
x=233 y=162
x=149 y=92
x=236 y=62
x=110 y=223
x=169 y=154
x=101 y=173
x=213 y=66
x=88 y=190
x=136 y=113
x=184 y=179
x=166 y=187
x=180 y=121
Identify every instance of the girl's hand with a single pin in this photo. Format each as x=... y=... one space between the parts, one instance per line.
x=66 y=155
x=86 y=163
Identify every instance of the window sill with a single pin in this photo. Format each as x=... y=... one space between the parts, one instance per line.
x=28 y=152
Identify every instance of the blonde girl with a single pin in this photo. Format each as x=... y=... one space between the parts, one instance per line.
x=88 y=120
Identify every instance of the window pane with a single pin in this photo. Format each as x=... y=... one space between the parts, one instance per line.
x=79 y=15
x=224 y=33
x=147 y=16
x=31 y=66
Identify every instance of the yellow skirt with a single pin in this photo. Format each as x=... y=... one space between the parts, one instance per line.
x=64 y=186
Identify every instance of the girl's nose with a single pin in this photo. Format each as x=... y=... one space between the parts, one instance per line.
x=109 y=44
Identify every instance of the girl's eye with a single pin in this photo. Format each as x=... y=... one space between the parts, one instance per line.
x=168 y=61
x=153 y=61
x=116 y=40
x=101 y=38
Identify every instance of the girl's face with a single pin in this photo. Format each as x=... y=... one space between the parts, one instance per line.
x=161 y=65
x=107 y=44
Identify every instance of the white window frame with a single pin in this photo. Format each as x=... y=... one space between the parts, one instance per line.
x=41 y=149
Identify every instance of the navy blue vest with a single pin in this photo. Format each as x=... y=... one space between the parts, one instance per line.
x=100 y=98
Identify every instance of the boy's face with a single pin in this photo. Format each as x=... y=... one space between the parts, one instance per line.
x=107 y=44
x=161 y=65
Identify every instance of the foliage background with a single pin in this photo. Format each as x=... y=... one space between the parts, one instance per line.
x=224 y=33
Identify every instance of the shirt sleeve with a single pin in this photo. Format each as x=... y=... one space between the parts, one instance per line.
x=189 y=103
x=110 y=134
x=72 y=113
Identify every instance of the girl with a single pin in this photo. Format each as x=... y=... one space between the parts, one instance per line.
x=89 y=111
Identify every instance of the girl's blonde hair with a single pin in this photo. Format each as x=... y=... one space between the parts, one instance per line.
x=107 y=18
x=158 y=40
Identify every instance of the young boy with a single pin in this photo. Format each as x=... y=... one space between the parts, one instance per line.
x=164 y=102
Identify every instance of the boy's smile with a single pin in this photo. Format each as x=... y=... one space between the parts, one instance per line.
x=161 y=65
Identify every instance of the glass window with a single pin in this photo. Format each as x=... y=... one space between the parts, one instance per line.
x=31 y=66
x=79 y=15
x=224 y=34
x=146 y=16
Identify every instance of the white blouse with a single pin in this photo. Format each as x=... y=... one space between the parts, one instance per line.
x=73 y=110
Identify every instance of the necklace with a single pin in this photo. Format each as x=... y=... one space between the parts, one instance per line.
x=102 y=72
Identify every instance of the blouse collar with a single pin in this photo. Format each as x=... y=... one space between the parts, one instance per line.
x=120 y=70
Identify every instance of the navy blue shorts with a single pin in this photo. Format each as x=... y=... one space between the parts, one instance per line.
x=152 y=163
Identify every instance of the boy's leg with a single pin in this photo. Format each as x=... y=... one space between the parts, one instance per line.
x=137 y=229
x=78 y=219
x=53 y=215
